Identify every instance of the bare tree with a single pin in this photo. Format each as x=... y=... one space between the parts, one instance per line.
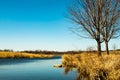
x=90 y=49
x=87 y=14
x=97 y=19
x=114 y=46
x=110 y=20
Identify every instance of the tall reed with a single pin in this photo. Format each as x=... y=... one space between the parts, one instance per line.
x=92 y=67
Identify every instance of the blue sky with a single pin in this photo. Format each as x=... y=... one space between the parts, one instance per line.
x=39 y=24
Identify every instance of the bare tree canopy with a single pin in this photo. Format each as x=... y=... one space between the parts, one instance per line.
x=110 y=21
x=96 y=18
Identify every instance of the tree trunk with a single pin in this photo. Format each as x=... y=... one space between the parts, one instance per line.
x=99 y=48
x=107 y=48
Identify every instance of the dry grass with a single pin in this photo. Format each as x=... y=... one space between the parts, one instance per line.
x=23 y=55
x=93 y=67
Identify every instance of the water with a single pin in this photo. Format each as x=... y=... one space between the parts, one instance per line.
x=33 y=69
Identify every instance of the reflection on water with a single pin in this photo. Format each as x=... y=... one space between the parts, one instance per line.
x=34 y=69
x=22 y=61
x=67 y=70
x=79 y=76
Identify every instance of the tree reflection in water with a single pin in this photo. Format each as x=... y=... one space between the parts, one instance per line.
x=67 y=70
x=79 y=75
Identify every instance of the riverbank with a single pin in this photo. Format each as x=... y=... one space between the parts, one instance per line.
x=23 y=55
x=92 y=67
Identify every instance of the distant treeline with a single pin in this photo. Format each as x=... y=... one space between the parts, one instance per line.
x=7 y=50
x=52 y=52
x=42 y=52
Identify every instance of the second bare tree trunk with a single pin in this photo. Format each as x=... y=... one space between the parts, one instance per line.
x=99 y=48
x=107 y=48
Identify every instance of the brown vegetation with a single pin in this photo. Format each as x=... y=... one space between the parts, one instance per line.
x=23 y=55
x=92 y=67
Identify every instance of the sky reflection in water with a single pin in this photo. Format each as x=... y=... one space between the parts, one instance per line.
x=35 y=69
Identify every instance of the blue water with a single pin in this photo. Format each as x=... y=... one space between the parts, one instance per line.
x=33 y=69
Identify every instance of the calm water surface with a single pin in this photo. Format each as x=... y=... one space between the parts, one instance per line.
x=33 y=69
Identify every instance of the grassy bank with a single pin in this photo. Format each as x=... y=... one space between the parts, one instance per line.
x=92 y=67
x=23 y=55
